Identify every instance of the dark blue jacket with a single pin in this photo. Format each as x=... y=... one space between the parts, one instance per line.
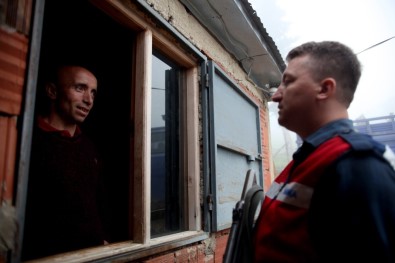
x=352 y=213
x=334 y=202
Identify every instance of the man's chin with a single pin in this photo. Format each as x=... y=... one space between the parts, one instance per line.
x=80 y=119
x=282 y=122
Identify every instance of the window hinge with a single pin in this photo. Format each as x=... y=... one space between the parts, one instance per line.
x=207 y=80
x=210 y=202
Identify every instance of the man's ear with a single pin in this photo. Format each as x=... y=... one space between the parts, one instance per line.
x=328 y=88
x=50 y=88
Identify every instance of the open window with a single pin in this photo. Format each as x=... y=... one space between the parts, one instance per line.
x=167 y=186
x=93 y=39
x=145 y=122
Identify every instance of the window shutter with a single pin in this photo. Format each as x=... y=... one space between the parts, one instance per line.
x=235 y=144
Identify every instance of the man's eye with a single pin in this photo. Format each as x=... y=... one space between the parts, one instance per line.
x=79 y=87
x=287 y=81
x=94 y=93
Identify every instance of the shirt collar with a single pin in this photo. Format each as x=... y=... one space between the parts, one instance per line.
x=321 y=135
x=328 y=131
x=45 y=126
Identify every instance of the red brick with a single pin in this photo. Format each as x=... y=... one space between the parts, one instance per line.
x=168 y=258
x=186 y=255
x=220 y=247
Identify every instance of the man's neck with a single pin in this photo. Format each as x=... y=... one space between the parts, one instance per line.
x=59 y=125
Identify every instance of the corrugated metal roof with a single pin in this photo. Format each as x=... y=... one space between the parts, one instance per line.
x=236 y=25
x=273 y=49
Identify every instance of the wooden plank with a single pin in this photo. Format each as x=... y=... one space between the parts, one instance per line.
x=142 y=161
x=193 y=150
x=127 y=13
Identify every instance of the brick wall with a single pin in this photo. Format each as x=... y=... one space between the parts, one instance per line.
x=209 y=251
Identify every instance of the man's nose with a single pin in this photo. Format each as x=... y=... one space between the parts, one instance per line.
x=88 y=97
x=276 y=97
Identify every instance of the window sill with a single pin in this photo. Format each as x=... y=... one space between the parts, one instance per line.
x=127 y=251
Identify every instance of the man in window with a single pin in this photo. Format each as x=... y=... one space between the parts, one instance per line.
x=65 y=201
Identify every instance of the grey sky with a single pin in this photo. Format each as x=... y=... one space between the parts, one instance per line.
x=358 y=24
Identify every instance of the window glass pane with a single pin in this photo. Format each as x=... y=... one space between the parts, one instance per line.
x=166 y=184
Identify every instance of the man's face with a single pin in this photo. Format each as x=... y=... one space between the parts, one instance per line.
x=75 y=95
x=296 y=95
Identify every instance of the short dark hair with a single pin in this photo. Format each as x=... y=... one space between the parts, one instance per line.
x=332 y=59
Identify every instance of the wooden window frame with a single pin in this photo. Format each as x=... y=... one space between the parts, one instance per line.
x=146 y=41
